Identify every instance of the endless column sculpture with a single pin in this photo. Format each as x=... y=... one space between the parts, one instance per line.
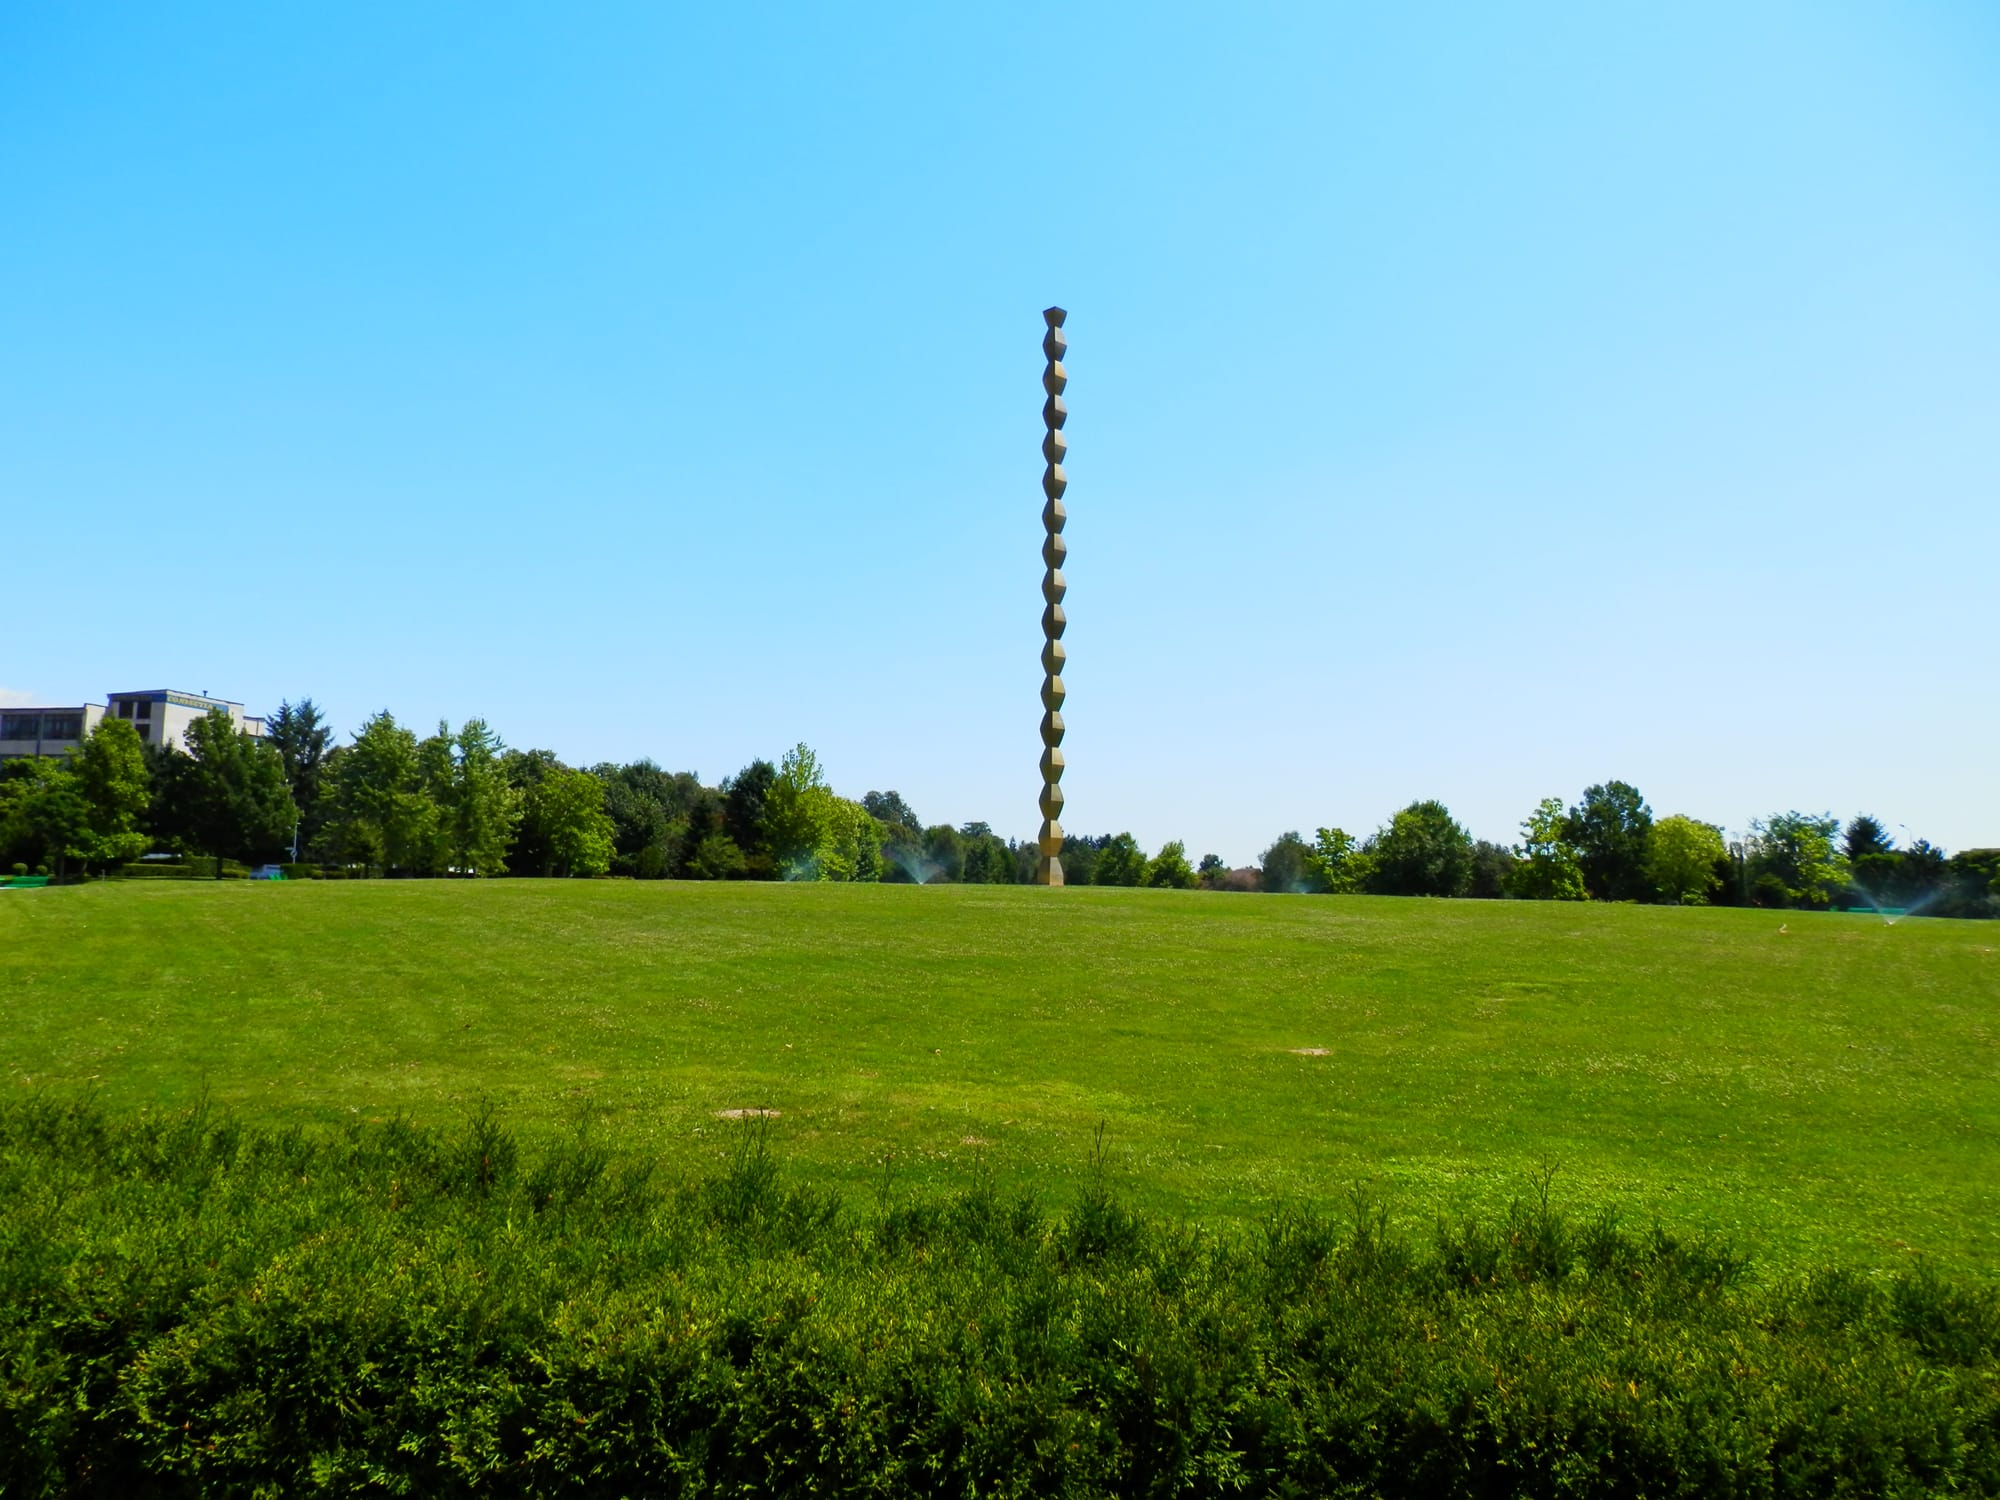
x=1048 y=868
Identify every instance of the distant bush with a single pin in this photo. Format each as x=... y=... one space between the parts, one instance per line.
x=202 y=867
x=300 y=871
x=158 y=870
x=190 y=1306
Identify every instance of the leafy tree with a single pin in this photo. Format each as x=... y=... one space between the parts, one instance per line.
x=1923 y=874
x=944 y=853
x=1880 y=878
x=240 y=806
x=659 y=817
x=434 y=772
x=1079 y=857
x=1285 y=866
x=44 y=814
x=1492 y=870
x=300 y=735
x=1169 y=869
x=477 y=809
x=890 y=808
x=1423 y=852
x=1211 y=872
x=1121 y=862
x=383 y=813
x=1865 y=836
x=169 y=817
x=1548 y=868
x=1027 y=857
x=854 y=851
x=903 y=859
x=1682 y=860
x=1972 y=885
x=1609 y=830
x=716 y=857
x=642 y=834
x=1792 y=853
x=743 y=817
x=798 y=820
x=987 y=860
x=564 y=813
x=1336 y=861
x=525 y=770
x=111 y=775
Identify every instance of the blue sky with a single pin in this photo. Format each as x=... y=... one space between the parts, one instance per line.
x=1467 y=401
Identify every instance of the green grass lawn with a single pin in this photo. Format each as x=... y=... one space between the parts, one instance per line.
x=1817 y=1086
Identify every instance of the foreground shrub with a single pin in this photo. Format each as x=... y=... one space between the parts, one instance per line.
x=193 y=1307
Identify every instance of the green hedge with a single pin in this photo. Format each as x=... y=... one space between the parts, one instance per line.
x=190 y=1307
x=157 y=870
x=300 y=871
x=202 y=867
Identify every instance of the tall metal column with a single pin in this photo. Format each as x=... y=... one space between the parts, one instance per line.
x=1048 y=868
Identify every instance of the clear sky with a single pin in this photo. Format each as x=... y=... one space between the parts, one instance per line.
x=1467 y=401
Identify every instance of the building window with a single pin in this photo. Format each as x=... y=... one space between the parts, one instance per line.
x=62 y=726
x=145 y=731
x=125 y=709
x=146 y=709
x=20 y=726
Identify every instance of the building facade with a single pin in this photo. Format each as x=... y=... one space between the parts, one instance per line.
x=160 y=715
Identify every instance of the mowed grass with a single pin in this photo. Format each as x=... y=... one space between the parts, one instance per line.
x=1816 y=1086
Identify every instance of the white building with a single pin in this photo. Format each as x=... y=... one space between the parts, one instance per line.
x=161 y=715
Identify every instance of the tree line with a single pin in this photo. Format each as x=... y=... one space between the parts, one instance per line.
x=1608 y=846
x=458 y=802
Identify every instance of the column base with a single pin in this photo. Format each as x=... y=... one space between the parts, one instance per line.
x=1048 y=870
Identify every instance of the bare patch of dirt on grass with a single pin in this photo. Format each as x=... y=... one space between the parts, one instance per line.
x=1311 y=1052
x=746 y=1114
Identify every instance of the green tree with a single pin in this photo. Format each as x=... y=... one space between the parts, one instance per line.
x=383 y=812
x=477 y=809
x=798 y=820
x=716 y=857
x=1211 y=872
x=1079 y=857
x=1865 y=836
x=1609 y=830
x=1492 y=871
x=240 y=805
x=1285 y=866
x=301 y=735
x=854 y=851
x=1682 y=860
x=435 y=772
x=1547 y=869
x=743 y=817
x=1423 y=852
x=944 y=854
x=1793 y=853
x=111 y=775
x=1120 y=862
x=564 y=813
x=889 y=808
x=1336 y=861
x=1169 y=869
x=986 y=858
x=657 y=817
x=44 y=814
